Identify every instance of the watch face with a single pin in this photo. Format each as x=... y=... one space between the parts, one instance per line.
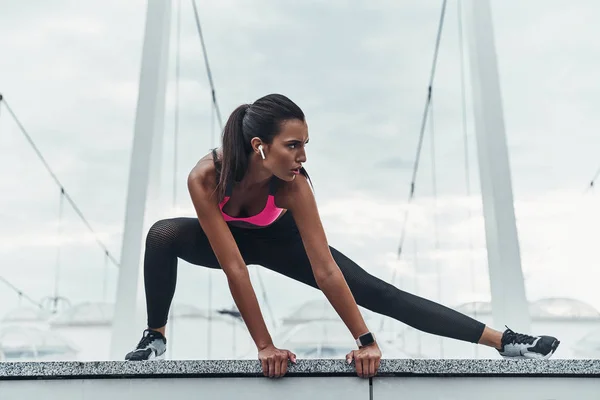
x=367 y=338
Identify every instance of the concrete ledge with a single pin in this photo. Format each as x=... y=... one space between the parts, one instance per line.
x=309 y=379
x=251 y=368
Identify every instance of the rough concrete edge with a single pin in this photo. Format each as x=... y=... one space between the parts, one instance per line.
x=320 y=367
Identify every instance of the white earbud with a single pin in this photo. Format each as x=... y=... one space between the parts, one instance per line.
x=262 y=154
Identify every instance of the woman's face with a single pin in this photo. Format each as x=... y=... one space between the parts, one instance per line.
x=286 y=154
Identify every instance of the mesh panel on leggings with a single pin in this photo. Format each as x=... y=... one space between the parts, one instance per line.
x=166 y=241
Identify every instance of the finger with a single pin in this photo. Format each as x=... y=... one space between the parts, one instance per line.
x=349 y=357
x=277 y=366
x=292 y=357
x=265 y=367
x=271 y=367
x=371 y=367
x=377 y=364
x=284 y=366
x=359 y=367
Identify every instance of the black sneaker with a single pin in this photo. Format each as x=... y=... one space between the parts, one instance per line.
x=520 y=346
x=152 y=346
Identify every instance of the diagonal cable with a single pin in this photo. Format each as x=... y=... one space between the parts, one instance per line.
x=593 y=181
x=20 y=292
x=219 y=119
x=204 y=52
x=57 y=181
x=411 y=193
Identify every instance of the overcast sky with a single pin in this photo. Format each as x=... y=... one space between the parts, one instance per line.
x=70 y=70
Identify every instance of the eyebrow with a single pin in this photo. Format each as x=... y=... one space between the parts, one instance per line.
x=296 y=141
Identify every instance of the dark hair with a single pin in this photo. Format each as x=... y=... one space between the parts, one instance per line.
x=260 y=119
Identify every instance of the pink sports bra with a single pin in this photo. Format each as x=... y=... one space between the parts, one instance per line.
x=266 y=217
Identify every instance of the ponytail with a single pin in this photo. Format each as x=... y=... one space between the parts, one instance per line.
x=260 y=119
x=236 y=149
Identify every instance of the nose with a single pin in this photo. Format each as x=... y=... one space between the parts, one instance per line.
x=301 y=156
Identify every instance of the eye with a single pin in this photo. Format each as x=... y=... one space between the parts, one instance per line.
x=296 y=143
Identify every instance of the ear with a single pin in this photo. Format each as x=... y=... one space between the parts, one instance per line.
x=255 y=142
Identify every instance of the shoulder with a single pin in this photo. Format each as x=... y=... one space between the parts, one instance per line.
x=296 y=193
x=202 y=179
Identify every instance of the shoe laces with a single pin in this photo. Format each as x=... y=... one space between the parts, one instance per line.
x=510 y=336
x=147 y=338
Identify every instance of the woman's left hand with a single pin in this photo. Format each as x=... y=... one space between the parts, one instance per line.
x=366 y=360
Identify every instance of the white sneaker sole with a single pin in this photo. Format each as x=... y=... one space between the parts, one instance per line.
x=151 y=357
x=154 y=357
x=530 y=356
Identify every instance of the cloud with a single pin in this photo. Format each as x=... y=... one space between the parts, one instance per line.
x=394 y=163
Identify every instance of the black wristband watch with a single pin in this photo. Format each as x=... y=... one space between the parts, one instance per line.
x=365 y=339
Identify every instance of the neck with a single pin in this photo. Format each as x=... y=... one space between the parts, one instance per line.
x=256 y=175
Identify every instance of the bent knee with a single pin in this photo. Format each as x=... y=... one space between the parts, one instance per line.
x=162 y=233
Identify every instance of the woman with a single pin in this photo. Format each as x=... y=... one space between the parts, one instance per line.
x=255 y=205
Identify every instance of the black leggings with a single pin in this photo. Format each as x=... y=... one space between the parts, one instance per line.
x=280 y=249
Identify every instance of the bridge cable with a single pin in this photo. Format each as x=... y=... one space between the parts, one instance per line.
x=5 y=281
x=219 y=119
x=593 y=181
x=422 y=131
x=424 y=118
x=435 y=217
x=57 y=181
x=59 y=234
x=206 y=63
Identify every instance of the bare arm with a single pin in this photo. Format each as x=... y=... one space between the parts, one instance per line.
x=201 y=187
x=299 y=199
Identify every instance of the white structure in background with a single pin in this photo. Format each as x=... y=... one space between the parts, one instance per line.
x=509 y=302
x=588 y=346
x=191 y=326
x=575 y=322
x=33 y=342
x=25 y=315
x=315 y=330
x=24 y=336
x=144 y=171
x=506 y=278
x=89 y=326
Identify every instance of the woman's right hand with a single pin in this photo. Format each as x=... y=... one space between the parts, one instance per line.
x=275 y=361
